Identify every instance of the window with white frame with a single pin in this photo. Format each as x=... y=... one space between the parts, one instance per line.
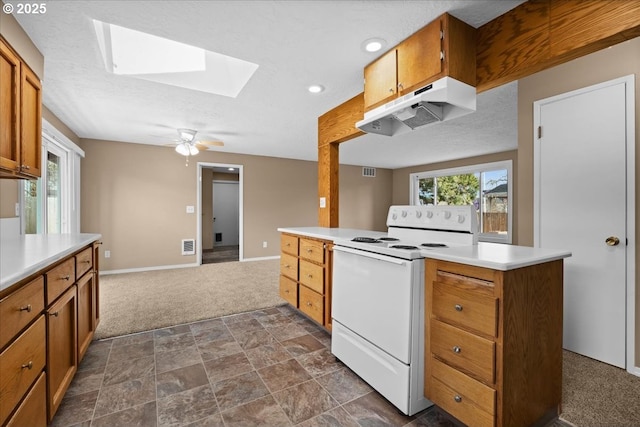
x=486 y=186
x=50 y=203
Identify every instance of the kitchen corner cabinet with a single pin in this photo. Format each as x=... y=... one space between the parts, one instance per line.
x=305 y=276
x=444 y=47
x=48 y=320
x=493 y=342
x=21 y=116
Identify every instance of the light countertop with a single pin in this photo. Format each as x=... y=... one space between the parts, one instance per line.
x=24 y=255
x=497 y=256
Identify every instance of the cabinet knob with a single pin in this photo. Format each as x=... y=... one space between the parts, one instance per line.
x=457 y=398
x=309 y=250
x=391 y=90
x=87 y=261
x=55 y=313
x=458 y=307
x=308 y=304
x=26 y=308
x=400 y=86
x=67 y=277
x=287 y=266
x=28 y=365
x=456 y=349
x=26 y=167
x=309 y=276
x=286 y=291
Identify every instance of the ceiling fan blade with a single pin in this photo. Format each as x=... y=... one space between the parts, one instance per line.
x=212 y=143
x=201 y=147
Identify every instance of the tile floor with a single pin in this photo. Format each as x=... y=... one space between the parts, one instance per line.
x=268 y=367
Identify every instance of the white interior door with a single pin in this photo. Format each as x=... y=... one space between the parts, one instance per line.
x=226 y=213
x=581 y=201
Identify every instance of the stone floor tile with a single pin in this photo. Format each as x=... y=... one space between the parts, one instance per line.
x=245 y=326
x=205 y=324
x=432 y=417
x=226 y=367
x=173 y=330
x=373 y=409
x=173 y=342
x=75 y=409
x=304 y=401
x=181 y=379
x=283 y=375
x=125 y=395
x=266 y=355
x=187 y=407
x=128 y=369
x=239 y=390
x=132 y=339
x=170 y=360
x=324 y=337
x=320 y=362
x=210 y=421
x=141 y=415
x=253 y=339
x=219 y=348
x=302 y=345
x=286 y=332
x=213 y=333
x=261 y=412
x=343 y=385
x=131 y=351
x=237 y=318
x=274 y=320
x=85 y=381
x=336 y=417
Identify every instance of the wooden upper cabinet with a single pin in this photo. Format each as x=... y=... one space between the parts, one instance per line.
x=21 y=117
x=9 y=104
x=444 y=47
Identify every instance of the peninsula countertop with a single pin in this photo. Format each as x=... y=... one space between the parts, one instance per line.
x=25 y=255
x=498 y=256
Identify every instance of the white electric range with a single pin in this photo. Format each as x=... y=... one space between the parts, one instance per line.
x=378 y=297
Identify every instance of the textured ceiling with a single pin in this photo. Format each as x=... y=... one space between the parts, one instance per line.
x=295 y=44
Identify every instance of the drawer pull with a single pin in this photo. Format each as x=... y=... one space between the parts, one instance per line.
x=309 y=276
x=288 y=244
x=28 y=365
x=287 y=291
x=308 y=304
x=309 y=250
x=67 y=277
x=87 y=261
x=456 y=349
x=55 y=313
x=457 y=398
x=287 y=266
x=458 y=307
x=27 y=308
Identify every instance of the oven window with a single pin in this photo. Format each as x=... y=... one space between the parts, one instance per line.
x=485 y=186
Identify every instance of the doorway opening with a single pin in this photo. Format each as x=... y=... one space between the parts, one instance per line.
x=219 y=208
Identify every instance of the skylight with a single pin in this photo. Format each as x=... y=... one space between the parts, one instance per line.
x=148 y=57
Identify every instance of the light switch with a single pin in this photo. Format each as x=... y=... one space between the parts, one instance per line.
x=323 y=202
x=190 y=209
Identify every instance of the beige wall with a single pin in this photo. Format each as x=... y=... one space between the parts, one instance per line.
x=60 y=126
x=8 y=197
x=135 y=195
x=617 y=61
x=364 y=201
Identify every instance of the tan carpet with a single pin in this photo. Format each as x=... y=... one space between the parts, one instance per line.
x=595 y=394
x=135 y=302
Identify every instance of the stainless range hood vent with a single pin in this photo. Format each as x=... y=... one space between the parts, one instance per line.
x=439 y=101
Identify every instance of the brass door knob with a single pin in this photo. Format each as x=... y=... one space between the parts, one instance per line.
x=612 y=241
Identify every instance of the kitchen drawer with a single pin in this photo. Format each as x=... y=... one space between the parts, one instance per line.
x=20 y=308
x=312 y=250
x=289 y=290
x=59 y=278
x=20 y=364
x=468 y=400
x=289 y=244
x=84 y=262
x=470 y=353
x=289 y=266
x=312 y=304
x=33 y=409
x=312 y=276
x=466 y=302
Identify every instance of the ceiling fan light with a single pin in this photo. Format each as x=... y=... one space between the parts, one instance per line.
x=193 y=150
x=183 y=149
x=187 y=135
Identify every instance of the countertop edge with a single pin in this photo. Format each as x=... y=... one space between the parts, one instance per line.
x=12 y=279
x=496 y=265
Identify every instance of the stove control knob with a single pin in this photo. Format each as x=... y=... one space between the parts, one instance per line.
x=429 y=214
x=418 y=214
x=460 y=219
x=447 y=214
x=394 y=216
x=404 y=214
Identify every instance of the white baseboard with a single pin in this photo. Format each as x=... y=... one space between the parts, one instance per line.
x=170 y=267
x=635 y=370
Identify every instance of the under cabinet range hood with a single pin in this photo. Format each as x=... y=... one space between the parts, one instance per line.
x=441 y=100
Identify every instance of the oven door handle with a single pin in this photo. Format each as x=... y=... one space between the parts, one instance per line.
x=378 y=257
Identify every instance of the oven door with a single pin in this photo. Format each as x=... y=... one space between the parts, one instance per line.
x=372 y=296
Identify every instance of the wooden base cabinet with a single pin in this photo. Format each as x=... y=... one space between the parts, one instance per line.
x=305 y=276
x=493 y=342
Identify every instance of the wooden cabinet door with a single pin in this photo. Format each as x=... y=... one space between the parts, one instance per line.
x=419 y=58
x=380 y=84
x=62 y=355
x=31 y=122
x=96 y=282
x=86 y=309
x=9 y=109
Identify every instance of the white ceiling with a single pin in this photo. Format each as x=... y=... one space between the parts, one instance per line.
x=295 y=44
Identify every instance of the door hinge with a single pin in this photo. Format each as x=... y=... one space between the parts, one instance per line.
x=442 y=55
x=539 y=132
x=441 y=34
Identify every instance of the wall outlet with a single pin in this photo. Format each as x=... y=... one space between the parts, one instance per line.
x=323 y=202
x=107 y=254
x=264 y=244
x=190 y=209
x=17 y=209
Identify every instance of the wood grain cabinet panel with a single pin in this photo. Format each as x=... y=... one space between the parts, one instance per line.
x=59 y=278
x=84 y=262
x=20 y=115
x=20 y=364
x=312 y=250
x=86 y=313
x=312 y=276
x=289 y=290
x=483 y=362
x=312 y=304
x=289 y=244
x=62 y=353
x=32 y=412
x=289 y=266
x=19 y=308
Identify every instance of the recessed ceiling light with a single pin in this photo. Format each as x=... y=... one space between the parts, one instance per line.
x=373 y=45
x=315 y=88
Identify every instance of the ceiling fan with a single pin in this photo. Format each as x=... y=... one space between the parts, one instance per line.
x=187 y=145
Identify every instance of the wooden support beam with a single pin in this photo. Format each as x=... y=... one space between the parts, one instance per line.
x=328 y=185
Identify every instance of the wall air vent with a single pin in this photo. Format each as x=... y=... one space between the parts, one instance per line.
x=370 y=172
x=188 y=246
